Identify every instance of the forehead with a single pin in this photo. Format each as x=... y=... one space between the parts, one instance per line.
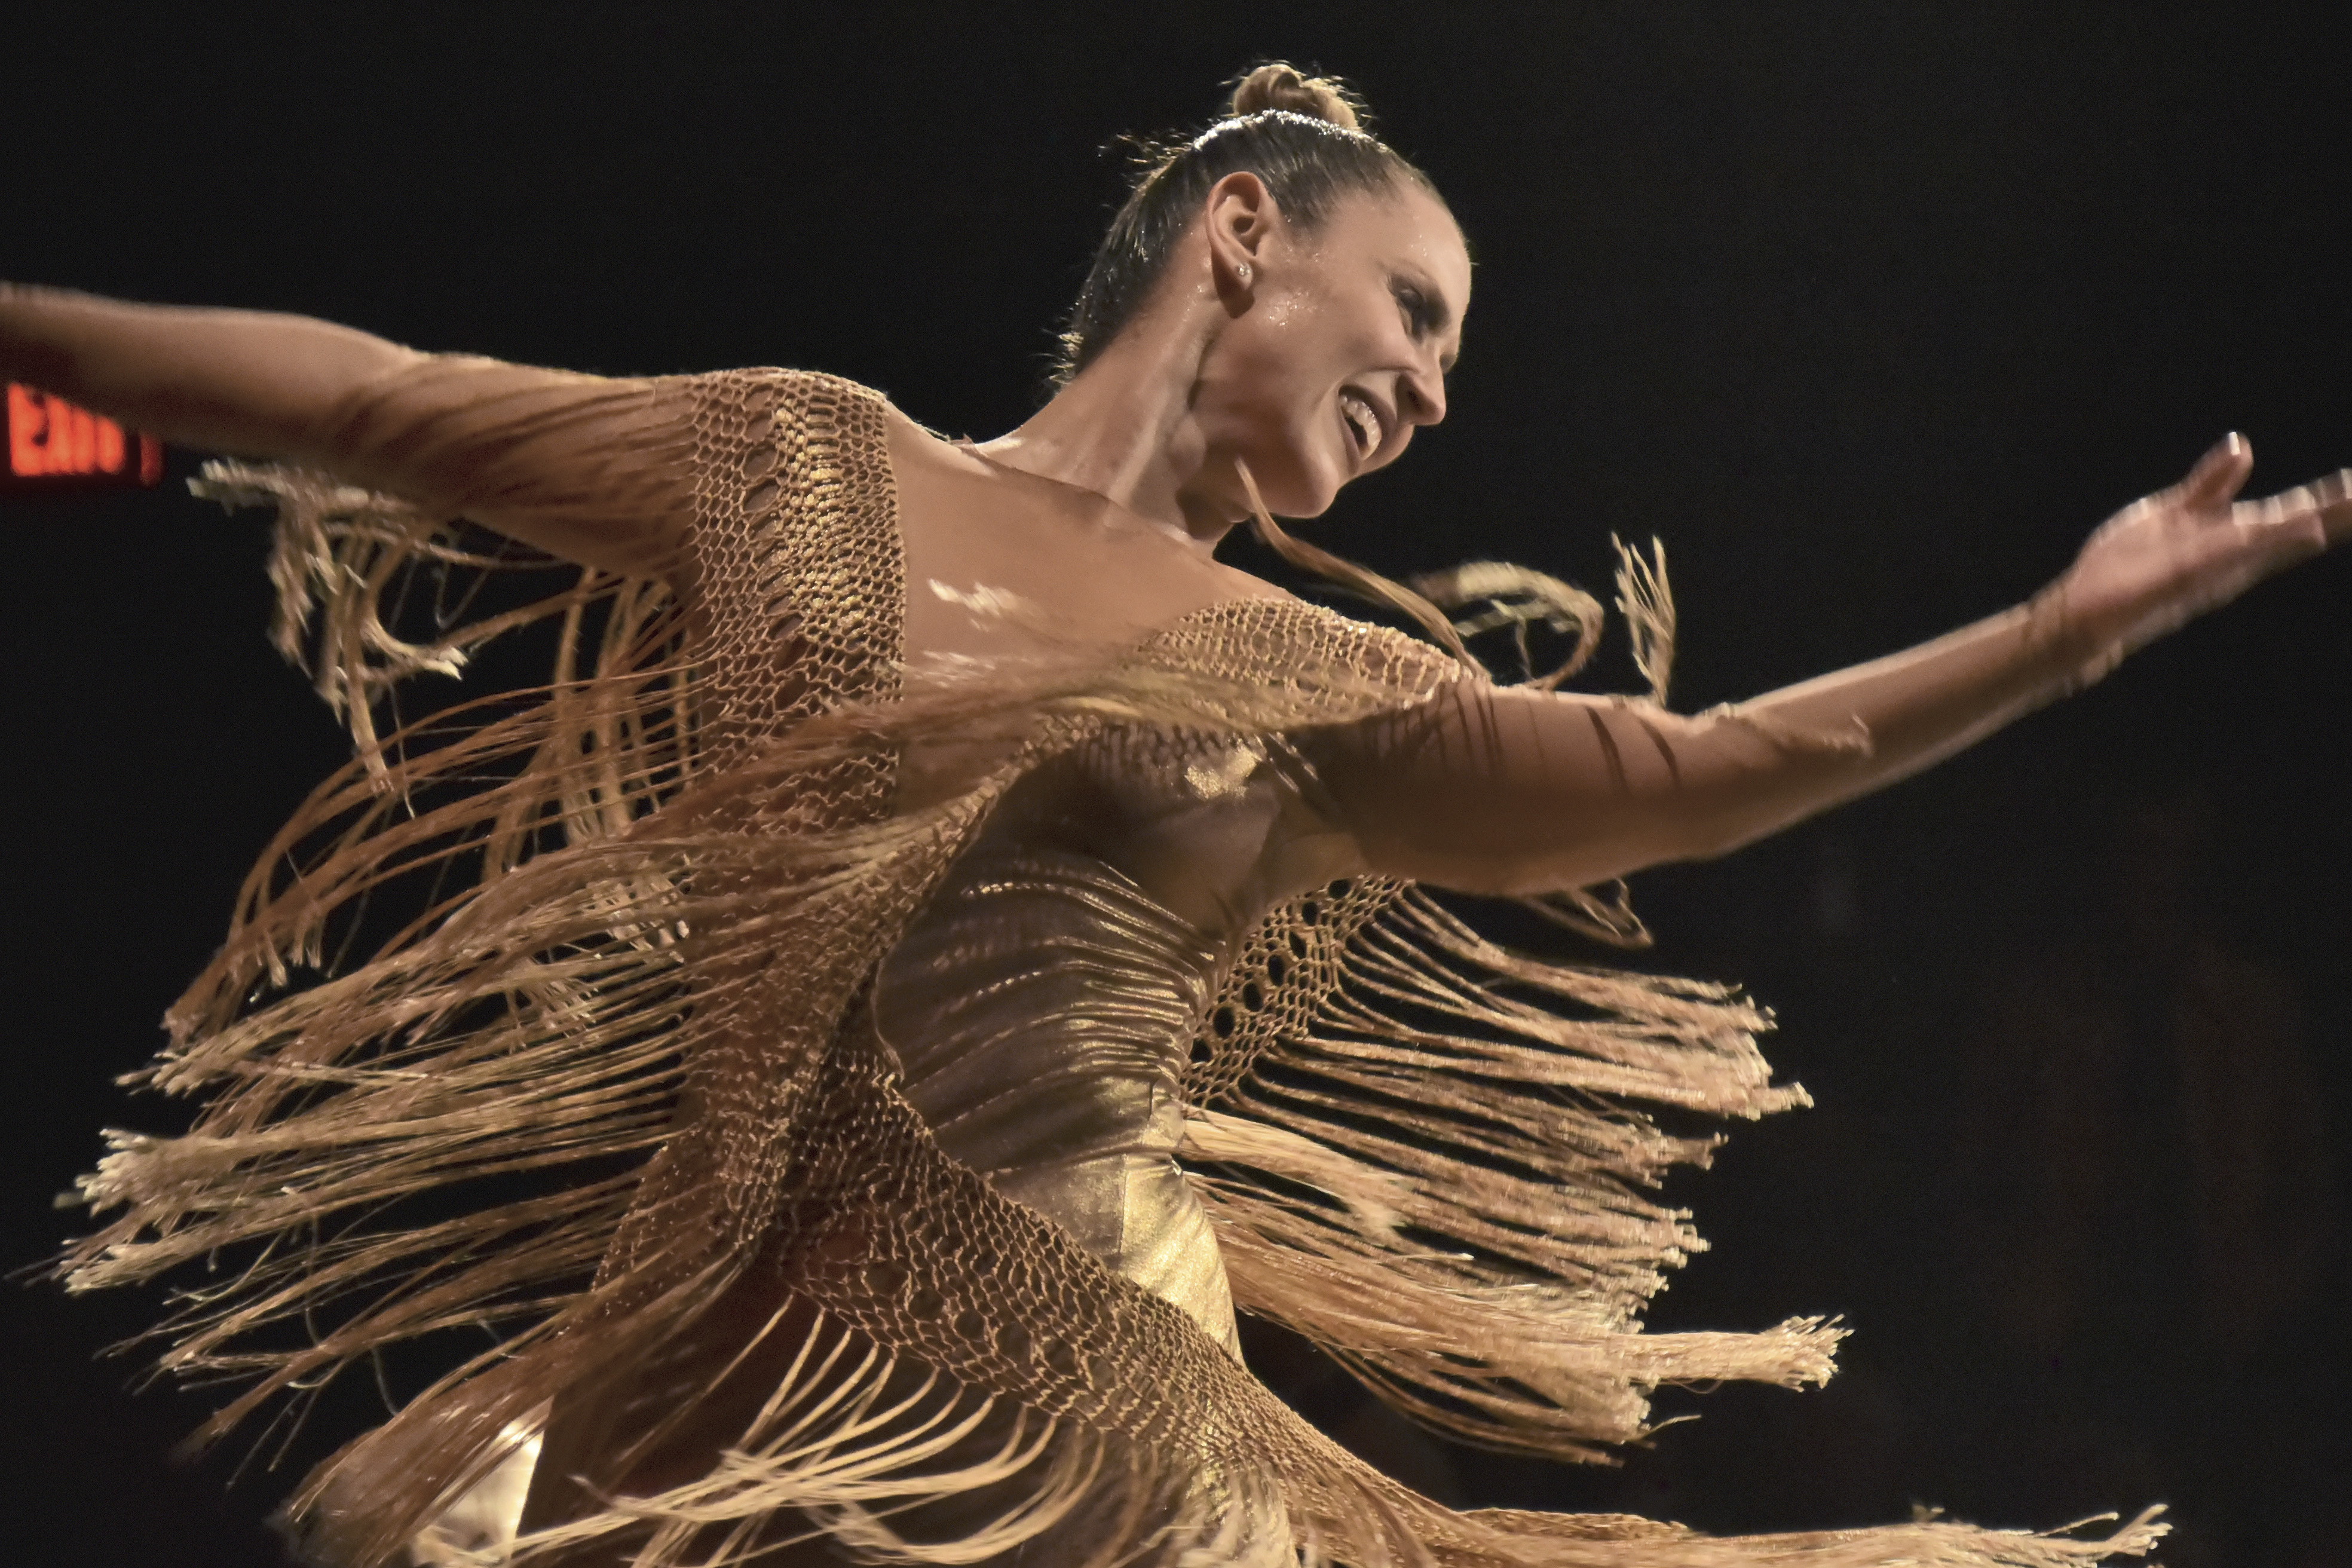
x=1406 y=228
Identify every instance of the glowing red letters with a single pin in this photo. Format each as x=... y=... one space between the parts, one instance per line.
x=51 y=440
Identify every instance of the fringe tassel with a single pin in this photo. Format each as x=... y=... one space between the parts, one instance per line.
x=1438 y=1180
x=1442 y=1180
x=1648 y=606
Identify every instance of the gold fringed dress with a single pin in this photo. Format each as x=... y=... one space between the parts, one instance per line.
x=705 y=1009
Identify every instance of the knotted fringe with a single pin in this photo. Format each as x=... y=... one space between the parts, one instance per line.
x=1517 y=599
x=339 y=551
x=888 y=1458
x=1440 y=1179
x=1438 y=1176
x=1648 y=606
x=539 y=1022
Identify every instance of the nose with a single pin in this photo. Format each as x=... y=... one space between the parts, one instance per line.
x=1421 y=394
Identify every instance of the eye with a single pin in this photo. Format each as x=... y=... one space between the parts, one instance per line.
x=1419 y=318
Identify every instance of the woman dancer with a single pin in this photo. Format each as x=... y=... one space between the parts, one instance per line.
x=940 y=940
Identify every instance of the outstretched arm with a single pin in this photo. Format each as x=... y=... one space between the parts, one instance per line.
x=576 y=465
x=1500 y=790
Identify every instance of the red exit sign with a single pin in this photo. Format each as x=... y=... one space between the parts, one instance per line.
x=53 y=445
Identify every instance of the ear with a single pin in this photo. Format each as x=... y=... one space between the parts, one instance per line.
x=1238 y=218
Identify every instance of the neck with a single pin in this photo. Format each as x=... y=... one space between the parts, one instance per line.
x=1124 y=429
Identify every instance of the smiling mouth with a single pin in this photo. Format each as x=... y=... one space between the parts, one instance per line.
x=1362 y=420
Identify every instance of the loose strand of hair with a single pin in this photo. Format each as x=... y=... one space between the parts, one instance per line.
x=1361 y=580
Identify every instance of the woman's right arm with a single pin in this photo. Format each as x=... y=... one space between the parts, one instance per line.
x=586 y=467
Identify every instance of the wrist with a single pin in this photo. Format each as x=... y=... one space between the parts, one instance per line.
x=2076 y=652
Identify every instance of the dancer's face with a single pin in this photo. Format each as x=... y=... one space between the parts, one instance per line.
x=1336 y=344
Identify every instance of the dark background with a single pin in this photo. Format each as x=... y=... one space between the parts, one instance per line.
x=1869 y=311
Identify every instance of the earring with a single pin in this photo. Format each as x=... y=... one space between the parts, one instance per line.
x=1242 y=272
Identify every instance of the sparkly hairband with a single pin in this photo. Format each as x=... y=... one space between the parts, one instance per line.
x=1292 y=115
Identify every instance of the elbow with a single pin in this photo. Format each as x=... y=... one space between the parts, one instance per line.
x=357 y=389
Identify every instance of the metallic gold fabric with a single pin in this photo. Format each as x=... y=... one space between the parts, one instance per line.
x=1041 y=1008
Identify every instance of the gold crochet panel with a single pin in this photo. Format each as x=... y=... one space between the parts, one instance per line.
x=664 y=886
x=798 y=568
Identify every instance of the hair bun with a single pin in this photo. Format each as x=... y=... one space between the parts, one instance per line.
x=1278 y=86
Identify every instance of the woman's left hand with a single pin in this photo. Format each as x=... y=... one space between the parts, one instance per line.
x=2163 y=560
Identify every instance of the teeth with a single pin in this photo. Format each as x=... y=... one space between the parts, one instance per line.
x=1360 y=413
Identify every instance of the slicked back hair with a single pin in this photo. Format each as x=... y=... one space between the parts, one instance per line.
x=1309 y=163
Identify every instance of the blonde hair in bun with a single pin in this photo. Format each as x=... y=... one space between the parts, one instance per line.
x=1278 y=86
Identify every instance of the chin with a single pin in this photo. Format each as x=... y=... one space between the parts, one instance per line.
x=1297 y=484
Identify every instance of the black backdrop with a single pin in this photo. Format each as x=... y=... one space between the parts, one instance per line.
x=1871 y=310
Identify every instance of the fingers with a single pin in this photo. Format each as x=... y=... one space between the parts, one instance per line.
x=2306 y=518
x=2219 y=474
x=2335 y=506
x=2322 y=509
